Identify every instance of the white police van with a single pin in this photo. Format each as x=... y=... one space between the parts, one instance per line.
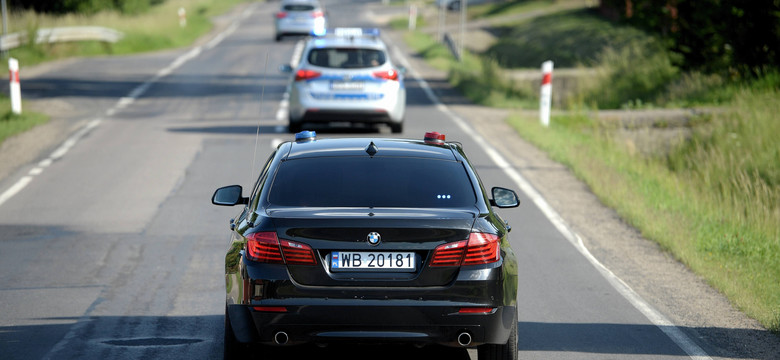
x=346 y=76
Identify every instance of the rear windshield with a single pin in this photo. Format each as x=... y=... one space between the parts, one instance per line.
x=372 y=182
x=346 y=58
x=298 y=7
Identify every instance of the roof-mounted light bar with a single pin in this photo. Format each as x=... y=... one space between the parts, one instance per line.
x=434 y=138
x=305 y=136
x=354 y=32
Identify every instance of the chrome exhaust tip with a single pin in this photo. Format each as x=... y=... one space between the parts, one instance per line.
x=464 y=339
x=281 y=338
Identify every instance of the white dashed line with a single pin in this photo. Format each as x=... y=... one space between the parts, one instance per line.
x=121 y=104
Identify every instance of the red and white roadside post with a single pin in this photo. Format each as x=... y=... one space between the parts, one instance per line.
x=545 y=101
x=412 y=17
x=16 y=91
x=182 y=17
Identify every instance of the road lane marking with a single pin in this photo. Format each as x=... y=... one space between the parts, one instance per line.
x=659 y=320
x=134 y=94
x=122 y=103
x=15 y=188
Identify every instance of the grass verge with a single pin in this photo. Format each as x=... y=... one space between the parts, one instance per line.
x=12 y=124
x=156 y=29
x=714 y=203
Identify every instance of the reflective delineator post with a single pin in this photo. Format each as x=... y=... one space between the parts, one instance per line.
x=412 y=17
x=182 y=17
x=15 y=89
x=546 y=93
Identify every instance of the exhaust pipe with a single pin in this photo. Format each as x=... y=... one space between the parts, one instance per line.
x=464 y=339
x=281 y=338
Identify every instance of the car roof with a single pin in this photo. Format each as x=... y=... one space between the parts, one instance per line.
x=371 y=42
x=348 y=38
x=380 y=147
x=315 y=3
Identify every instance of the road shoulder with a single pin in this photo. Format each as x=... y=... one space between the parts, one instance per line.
x=697 y=309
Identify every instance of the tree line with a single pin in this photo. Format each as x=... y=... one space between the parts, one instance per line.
x=83 y=6
x=737 y=37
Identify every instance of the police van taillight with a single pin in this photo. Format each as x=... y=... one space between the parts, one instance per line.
x=387 y=75
x=305 y=74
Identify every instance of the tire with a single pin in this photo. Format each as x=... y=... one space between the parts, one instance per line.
x=506 y=351
x=397 y=128
x=278 y=38
x=233 y=348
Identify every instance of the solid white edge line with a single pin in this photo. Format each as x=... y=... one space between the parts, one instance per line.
x=659 y=320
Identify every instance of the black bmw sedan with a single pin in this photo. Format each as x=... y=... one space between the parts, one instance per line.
x=372 y=241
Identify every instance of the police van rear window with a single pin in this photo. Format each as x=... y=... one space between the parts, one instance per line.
x=298 y=7
x=346 y=58
x=372 y=182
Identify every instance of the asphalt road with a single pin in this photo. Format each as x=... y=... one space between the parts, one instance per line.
x=110 y=249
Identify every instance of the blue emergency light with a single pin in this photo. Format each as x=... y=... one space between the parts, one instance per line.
x=306 y=136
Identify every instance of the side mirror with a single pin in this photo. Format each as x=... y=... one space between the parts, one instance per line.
x=504 y=198
x=402 y=69
x=286 y=68
x=229 y=196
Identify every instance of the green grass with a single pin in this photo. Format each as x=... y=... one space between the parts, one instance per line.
x=153 y=30
x=12 y=124
x=714 y=203
x=568 y=38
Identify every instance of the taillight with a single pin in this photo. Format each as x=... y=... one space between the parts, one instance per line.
x=276 y=309
x=476 y=310
x=480 y=248
x=281 y=15
x=450 y=254
x=387 y=75
x=304 y=74
x=316 y=14
x=265 y=247
x=297 y=253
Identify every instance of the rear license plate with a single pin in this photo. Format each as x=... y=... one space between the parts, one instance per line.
x=346 y=85
x=386 y=261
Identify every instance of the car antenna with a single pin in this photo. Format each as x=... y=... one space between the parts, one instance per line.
x=262 y=98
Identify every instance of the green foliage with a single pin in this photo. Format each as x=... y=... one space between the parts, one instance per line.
x=85 y=6
x=713 y=203
x=633 y=74
x=12 y=124
x=725 y=36
x=568 y=38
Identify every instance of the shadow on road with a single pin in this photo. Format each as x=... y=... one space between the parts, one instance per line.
x=201 y=337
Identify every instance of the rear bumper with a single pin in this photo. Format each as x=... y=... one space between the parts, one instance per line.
x=351 y=116
x=371 y=321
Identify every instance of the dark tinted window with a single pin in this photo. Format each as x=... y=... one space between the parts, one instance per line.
x=298 y=7
x=346 y=58
x=377 y=182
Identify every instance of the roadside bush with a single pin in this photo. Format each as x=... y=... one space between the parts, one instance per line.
x=569 y=39
x=630 y=75
x=695 y=88
x=84 y=6
x=482 y=80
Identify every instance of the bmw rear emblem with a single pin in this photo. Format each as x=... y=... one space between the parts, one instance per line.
x=374 y=238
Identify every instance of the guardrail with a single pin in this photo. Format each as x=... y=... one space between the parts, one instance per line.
x=62 y=34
